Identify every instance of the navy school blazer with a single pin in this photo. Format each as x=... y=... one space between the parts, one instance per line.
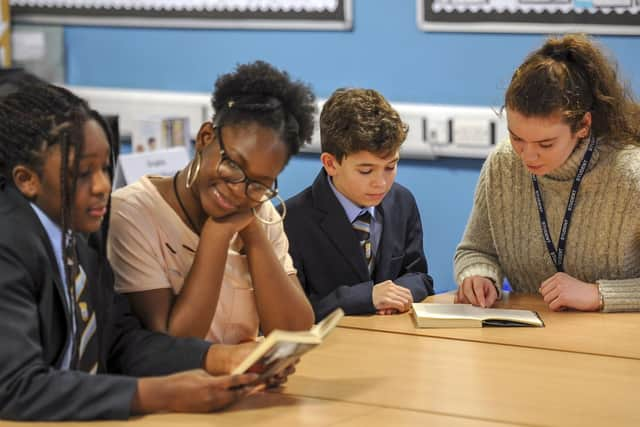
x=34 y=324
x=330 y=262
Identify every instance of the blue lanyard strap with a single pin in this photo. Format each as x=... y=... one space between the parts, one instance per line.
x=557 y=256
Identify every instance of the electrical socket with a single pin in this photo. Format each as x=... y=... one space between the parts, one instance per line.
x=471 y=131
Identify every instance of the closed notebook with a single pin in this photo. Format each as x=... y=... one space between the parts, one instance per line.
x=281 y=348
x=468 y=316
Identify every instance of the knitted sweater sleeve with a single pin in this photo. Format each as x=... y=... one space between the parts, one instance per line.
x=476 y=254
x=623 y=294
x=620 y=295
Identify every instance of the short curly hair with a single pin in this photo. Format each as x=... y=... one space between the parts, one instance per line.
x=355 y=120
x=260 y=93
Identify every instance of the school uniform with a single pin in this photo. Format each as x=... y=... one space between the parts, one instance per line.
x=330 y=260
x=38 y=375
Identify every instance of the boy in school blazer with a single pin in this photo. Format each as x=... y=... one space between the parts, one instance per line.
x=70 y=349
x=355 y=236
x=36 y=324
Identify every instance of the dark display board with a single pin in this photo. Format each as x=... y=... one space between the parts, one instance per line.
x=530 y=16
x=236 y=14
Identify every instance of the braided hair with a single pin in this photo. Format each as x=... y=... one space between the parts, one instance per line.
x=33 y=119
x=260 y=93
x=571 y=75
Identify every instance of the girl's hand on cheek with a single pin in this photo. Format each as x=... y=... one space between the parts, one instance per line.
x=230 y=224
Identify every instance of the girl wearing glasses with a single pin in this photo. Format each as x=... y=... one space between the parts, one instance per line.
x=203 y=253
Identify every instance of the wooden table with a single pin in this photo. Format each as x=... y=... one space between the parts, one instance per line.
x=370 y=378
x=582 y=369
x=282 y=410
x=479 y=381
x=610 y=334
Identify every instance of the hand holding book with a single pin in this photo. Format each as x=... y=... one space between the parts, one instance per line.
x=222 y=359
x=274 y=357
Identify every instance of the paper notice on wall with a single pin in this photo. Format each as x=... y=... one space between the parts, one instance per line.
x=153 y=133
x=28 y=45
x=163 y=162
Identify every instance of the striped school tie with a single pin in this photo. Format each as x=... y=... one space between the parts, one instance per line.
x=86 y=341
x=362 y=227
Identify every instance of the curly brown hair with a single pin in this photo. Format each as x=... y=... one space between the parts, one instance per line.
x=355 y=120
x=573 y=76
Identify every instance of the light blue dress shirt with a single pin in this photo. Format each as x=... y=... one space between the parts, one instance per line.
x=55 y=238
x=353 y=211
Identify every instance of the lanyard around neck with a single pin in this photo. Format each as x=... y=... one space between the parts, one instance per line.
x=557 y=256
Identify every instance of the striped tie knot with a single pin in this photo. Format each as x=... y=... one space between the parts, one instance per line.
x=362 y=227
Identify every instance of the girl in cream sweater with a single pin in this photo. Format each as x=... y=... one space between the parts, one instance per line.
x=556 y=211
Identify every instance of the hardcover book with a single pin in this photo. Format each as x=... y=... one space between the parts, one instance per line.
x=468 y=316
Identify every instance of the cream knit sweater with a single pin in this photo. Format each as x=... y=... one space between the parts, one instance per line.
x=504 y=238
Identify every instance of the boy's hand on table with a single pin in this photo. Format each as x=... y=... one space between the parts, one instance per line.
x=388 y=296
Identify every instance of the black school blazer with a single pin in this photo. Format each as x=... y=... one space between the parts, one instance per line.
x=330 y=262
x=34 y=324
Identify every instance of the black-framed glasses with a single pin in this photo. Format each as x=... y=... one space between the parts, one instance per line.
x=231 y=172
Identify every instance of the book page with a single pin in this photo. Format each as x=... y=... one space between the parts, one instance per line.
x=446 y=311
x=282 y=348
x=328 y=323
x=273 y=356
x=276 y=360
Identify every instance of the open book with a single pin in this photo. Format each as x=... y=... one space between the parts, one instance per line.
x=468 y=316
x=280 y=348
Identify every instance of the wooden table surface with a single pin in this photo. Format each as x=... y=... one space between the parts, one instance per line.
x=582 y=369
x=610 y=334
x=282 y=410
x=474 y=380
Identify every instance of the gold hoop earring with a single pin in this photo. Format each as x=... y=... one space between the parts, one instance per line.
x=280 y=217
x=191 y=175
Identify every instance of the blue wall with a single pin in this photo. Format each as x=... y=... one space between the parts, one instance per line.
x=385 y=51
